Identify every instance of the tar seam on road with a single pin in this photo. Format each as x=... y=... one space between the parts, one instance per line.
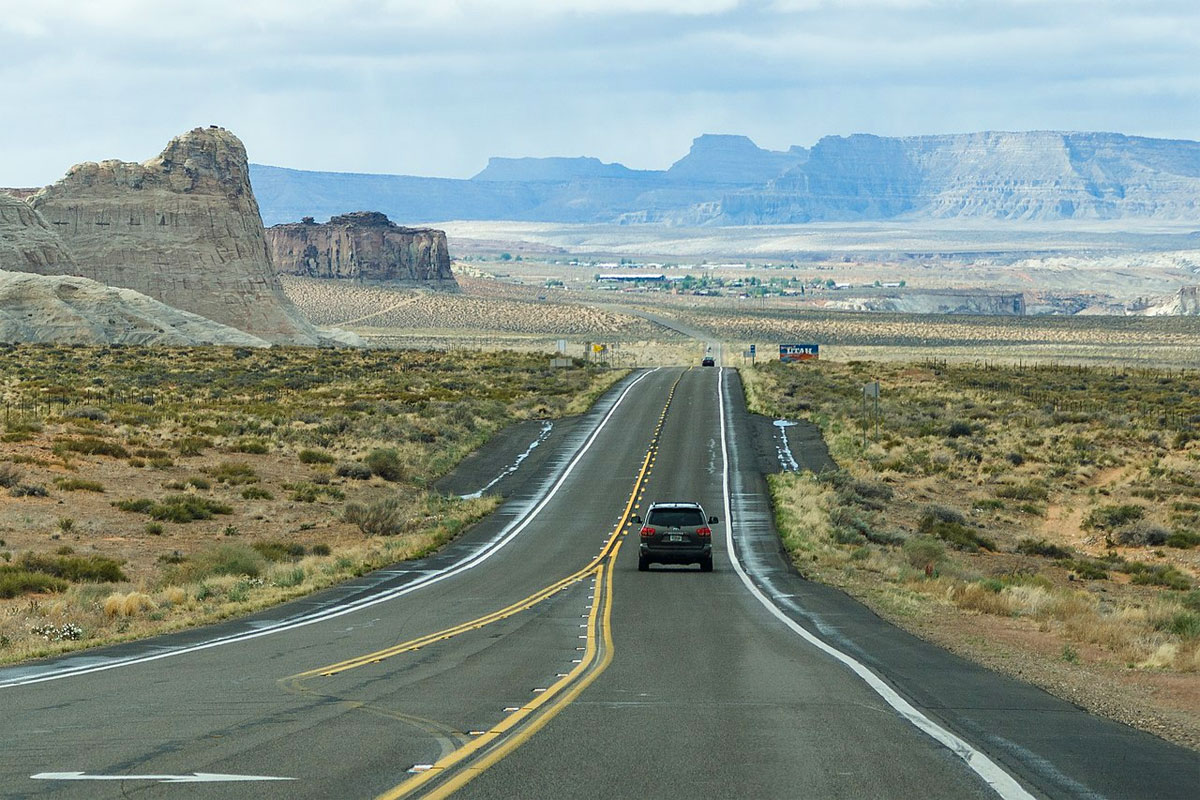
x=1000 y=781
x=486 y=551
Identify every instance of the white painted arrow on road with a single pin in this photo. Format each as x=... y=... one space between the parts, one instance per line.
x=195 y=777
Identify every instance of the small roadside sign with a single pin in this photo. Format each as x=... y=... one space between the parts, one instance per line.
x=799 y=352
x=871 y=390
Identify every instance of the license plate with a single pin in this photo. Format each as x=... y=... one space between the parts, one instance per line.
x=675 y=537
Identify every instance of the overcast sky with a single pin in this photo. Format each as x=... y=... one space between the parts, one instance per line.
x=434 y=87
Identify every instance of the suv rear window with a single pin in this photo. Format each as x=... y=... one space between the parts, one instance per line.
x=676 y=518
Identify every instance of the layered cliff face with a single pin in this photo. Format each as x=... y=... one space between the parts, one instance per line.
x=183 y=228
x=27 y=243
x=362 y=246
x=1038 y=175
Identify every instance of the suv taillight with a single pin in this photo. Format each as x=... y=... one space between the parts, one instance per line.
x=647 y=531
x=704 y=532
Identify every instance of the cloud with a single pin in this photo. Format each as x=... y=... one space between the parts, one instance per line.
x=437 y=87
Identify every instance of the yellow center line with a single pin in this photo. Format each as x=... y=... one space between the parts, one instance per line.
x=596 y=566
x=527 y=712
x=519 y=738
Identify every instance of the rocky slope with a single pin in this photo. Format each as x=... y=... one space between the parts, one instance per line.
x=67 y=309
x=728 y=180
x=27 y=243
x=183 y=228
x=362 y=246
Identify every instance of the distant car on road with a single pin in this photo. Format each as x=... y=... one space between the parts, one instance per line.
x=708 y=361
x=675 y=533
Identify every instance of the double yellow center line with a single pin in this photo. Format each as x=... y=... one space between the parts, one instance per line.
x=458 y=767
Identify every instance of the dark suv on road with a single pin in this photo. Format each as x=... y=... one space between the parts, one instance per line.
x=675 y=533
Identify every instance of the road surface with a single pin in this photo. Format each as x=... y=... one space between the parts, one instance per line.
x=530 y=659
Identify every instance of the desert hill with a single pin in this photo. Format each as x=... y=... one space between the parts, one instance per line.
x=68 y=309
x=728 y=180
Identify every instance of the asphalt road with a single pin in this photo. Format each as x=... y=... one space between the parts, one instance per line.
x=530 y=659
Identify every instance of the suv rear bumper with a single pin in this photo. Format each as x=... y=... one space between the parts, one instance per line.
x=675 y=555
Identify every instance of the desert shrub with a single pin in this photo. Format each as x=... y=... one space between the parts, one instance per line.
x=1142 y=534
x=315 y=457
x=1112 y=517
x=28 y=490
x=151 y=452
x=88 y=412
x=92 y=446
x=16 y=581
x=251 y=446
x=203 y=484
x=186 y=508
x=1183 y=540
x=78 y=485
x=1191 y=600
x=385 y=462
x=321 y=549
x=256 y=493
x=1026 y=491
x=234 y=473
x=382 y=518
x=1157 y=575
x=923 y=552
x=950 y=526
x=1184 y=624
x=176 y=507
x=154 y=528
x=10 y=475
x=1040 y=547
x=223 y=559
x=279 y=551
x=353 y=469
x=192 y=445
x=941 y=514
x=77 y=569
x=959 y=429
x=139 y=505
x=1086 y=568
x=290 y=577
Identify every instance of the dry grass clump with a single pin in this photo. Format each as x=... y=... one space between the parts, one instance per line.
x=128 y=605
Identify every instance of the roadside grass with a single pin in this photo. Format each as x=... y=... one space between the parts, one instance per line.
x=1008 y=496
x=222 y=477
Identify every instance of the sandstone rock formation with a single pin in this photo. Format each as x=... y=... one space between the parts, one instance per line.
x=68 y=309
x=183 y=228
x=27 y=243
x=362 y=246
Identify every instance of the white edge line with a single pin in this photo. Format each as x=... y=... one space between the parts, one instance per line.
x=486 y=551
x=1000 y=781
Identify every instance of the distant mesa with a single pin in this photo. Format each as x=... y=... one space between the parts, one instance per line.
x=362 y=246
x=729 y=180
x=183 y=228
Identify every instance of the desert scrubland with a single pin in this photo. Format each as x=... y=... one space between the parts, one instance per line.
x=1044 y=520
x=147 y=489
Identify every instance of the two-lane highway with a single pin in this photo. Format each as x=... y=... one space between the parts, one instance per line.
x=531 y=659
